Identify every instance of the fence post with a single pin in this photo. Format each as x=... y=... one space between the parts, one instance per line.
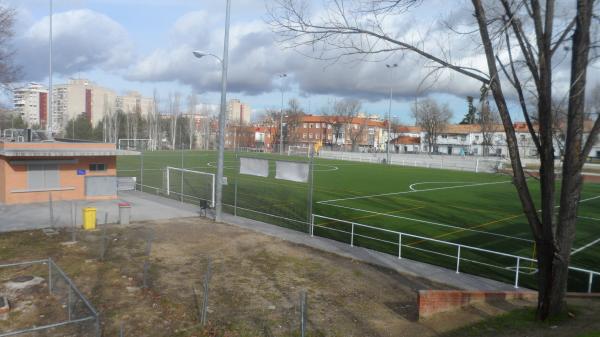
x=69 y=299
x=97 y=326
x=205 y=300
x=517 y=272
x=50 y=275
x=235 y=195
x=352 y=236
x=142 y=171
x=458 y=260
x=312 y=225
x=591 y=279
x=399 y=245
x=477 y=166
x=303 y=313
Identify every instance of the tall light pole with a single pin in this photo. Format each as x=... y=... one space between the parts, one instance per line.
x=49 y=109
x=222 y=120
x=391 y=68
x=281 y=76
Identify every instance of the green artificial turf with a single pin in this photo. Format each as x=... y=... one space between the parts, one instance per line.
x=471 y=209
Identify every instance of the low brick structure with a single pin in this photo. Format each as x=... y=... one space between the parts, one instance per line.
x=31 y=171
x=431 y=302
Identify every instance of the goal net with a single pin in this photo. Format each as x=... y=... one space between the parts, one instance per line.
x=135 y=144
x=189 y=185
x=299 y=151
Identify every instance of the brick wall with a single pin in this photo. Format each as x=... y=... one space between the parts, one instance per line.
x=431 y=302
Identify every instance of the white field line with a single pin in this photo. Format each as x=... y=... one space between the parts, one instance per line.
x=573 y=252
x=433 y=223
x=412 y=186
x=406 y=192
x=588 y=218
x=589 y=199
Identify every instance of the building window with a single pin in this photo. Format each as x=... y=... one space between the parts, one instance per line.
x=312 y=125
x=43 y=176
x=444 y=136
x=304 y=136
x=310 y=136
x=318 y=125
x=97 y=167
x=318 y=136
x=305 y=125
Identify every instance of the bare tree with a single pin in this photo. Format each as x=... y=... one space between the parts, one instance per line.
x=192 y=103
x=293 y=120
x=433 y=119
x=488 y=119
x=9 y=72
x=357 y=27
x=345 y=112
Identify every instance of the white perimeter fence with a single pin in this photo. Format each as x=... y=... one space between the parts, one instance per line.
x=464 y=163
x=460 y=250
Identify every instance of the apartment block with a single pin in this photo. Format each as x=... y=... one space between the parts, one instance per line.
x=81 y=96
x=238 y=112
x=31 y=103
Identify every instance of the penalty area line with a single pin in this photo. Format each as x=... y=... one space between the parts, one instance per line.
x=410 y=191
x=434 y=223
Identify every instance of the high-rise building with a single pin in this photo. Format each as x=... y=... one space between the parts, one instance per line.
x=31 y=103
x=238 y=112
x=133 y=102
x=80 y=96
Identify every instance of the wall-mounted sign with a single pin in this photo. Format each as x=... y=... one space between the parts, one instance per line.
x=80 y=172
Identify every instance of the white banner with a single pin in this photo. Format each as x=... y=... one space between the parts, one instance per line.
x=254 y=167
x=286 y=170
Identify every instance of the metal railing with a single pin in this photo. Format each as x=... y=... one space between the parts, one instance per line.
x=79 y=309
x=460 y=248
x=468 y=163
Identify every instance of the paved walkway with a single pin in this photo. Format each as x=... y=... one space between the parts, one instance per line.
x=144 y=206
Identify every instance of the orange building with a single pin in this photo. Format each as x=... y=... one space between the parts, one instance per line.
x=36 y=171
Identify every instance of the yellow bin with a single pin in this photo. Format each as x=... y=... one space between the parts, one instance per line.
x=89 y=218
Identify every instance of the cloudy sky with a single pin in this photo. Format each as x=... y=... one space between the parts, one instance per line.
x=146 y=44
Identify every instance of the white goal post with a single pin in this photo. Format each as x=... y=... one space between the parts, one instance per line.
x=200 y=187
x=132 y=143
x=298 y=150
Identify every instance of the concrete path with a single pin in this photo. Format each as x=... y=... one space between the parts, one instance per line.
x=144 y=206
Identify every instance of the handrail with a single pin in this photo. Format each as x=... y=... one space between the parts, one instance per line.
x=459 y=246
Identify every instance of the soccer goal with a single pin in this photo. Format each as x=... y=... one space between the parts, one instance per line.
x=190 y=185
x=299 y=151
x=135 y=144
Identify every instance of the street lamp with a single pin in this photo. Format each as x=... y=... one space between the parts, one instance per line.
x=221 y=140
x=391 y=67
x=281 y=76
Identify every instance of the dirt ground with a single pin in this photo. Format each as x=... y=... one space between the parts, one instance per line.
x=255 y=284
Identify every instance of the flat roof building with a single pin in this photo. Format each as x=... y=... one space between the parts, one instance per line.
x=37 y=171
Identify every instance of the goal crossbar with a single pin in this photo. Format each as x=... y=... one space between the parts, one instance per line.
x=134 y=140
x=182 y=170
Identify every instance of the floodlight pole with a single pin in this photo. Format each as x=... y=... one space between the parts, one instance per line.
x=222 y=117
x=391 y=67
x=281 y=76
x=222 y=113
x=49 y=110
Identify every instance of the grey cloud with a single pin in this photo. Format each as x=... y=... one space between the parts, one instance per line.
x=83 y=40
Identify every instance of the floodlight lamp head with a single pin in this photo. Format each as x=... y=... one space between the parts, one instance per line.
x=199 y=54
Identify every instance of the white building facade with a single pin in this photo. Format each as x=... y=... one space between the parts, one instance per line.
x=31 y=104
